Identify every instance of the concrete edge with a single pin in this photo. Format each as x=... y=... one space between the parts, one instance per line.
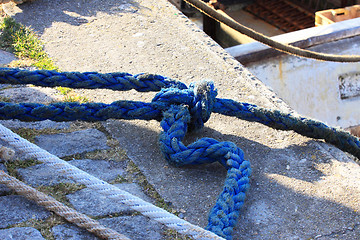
x=252 y=52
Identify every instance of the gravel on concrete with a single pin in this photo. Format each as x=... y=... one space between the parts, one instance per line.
x=65 y=144
x=20 y=233
x=15 y=209
x=6 y=58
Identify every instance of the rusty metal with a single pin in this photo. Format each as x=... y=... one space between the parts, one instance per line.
x=282 y=14
x=183 y=7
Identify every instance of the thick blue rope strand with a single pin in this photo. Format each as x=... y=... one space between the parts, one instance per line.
x=146 y=111
x=285 y=121
x=91 y=80
x=90 y=112
x=224 y=215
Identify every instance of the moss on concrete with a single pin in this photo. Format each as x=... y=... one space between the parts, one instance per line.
x=43 y=226
x=12 y=166
x=59 y=191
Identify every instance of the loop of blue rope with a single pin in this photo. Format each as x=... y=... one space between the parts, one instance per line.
x=224 y=215
x=179 y=108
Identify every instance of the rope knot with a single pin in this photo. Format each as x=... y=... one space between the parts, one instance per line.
x=199 y=97
x=203 y=103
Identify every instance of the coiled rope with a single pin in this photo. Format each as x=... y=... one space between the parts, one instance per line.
x=60 y=209
x=177 y=107
x=286 y=48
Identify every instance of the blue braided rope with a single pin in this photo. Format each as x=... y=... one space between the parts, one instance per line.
x=224 y=215
x=90 y=112
x=91 y=80
x=147 y=111
x=285 y=121
x=179 y=107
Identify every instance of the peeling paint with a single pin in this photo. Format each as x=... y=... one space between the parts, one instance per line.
x=327 y=91
x=349 y=85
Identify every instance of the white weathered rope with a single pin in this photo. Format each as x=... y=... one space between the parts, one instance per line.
x=135 y=203
x=60 y=209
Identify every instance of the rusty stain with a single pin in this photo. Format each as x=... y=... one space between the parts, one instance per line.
x=355 y=130
x=280 y=70
x=281 y=77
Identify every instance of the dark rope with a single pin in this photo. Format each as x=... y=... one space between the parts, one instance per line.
x=224 y=215
x=286 y=121
x=286 y=48
x=90 y=80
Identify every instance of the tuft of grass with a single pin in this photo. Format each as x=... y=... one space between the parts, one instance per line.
x=115 y=154
x=119 y=179
x=64 y=90
x=170 y=234
x=12 y=166
x=24 y=43
x=43 y=226
x=30 y=133
x=59 y=191
x=4 y=99
x=71 y=96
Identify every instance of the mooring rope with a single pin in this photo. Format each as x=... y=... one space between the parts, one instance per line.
x=122 y=197
x=172 y=92
x=177 y=107
x=60 y=209
x=286 y=48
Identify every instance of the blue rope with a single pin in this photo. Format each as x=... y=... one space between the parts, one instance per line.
x=91 y=80
x=224 y=215
x=178 y=107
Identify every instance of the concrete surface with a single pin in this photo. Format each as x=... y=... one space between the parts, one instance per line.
x=6 y=58
x=135 y=227
x=300 y=188
x=19 y=209
x=64 y=144
x=25 y=233
x=3 y=188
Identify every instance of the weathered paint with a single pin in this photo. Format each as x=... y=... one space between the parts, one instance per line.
x=349 y=85
x=313 y=87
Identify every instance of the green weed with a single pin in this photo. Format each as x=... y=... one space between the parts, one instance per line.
x=59 y=191
x=71 y=96
x=44 y=226
x=24 y=43
x=64 y=90
x=12 y=166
